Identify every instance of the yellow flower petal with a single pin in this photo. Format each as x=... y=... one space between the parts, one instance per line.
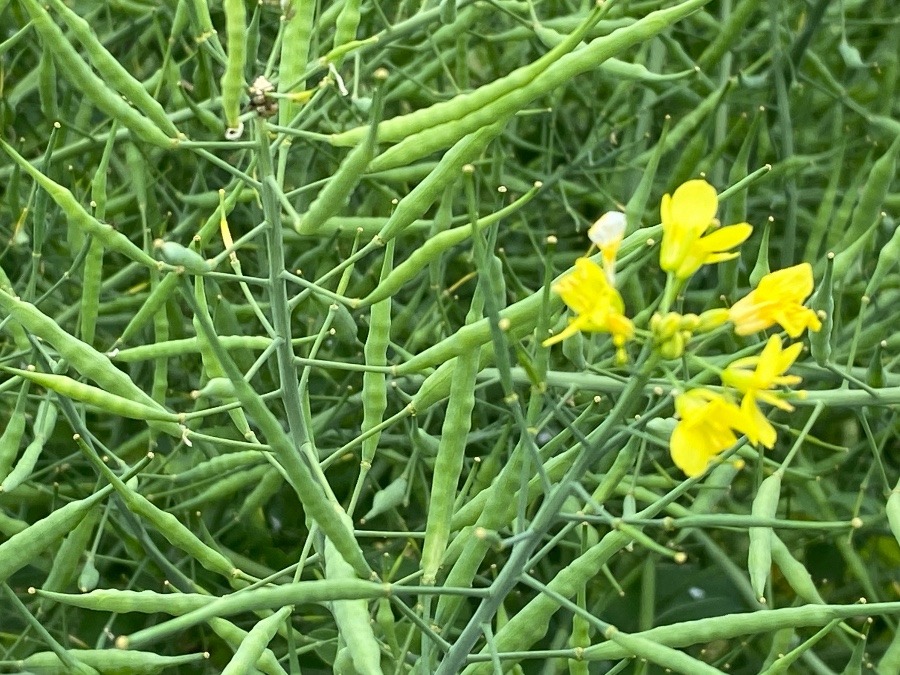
x=778 y=299
x=694 y=205
x=598 y=305
x=686 y=217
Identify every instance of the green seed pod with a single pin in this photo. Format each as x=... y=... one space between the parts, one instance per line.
x=94 y=396
x=21 y=549
x=794 y=572
x=89 y=577
x=178 y=256
x=82 y=77
x=823 y=304
x=391 y=496
x=109 y=661
x=78 y=216
x=233 y=78
x=44 y=424
x=759 y=557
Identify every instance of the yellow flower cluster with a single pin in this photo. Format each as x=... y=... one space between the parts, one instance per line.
x=710 y=421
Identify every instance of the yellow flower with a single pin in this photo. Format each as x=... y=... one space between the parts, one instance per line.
x=708 y=425
x=755 y=376
x=778 y=299
x=598 y=306
x=686 y=217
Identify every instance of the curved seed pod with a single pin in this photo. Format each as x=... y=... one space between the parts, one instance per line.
x=112 y=72
x=759 y=557
x=109 y=661
x=256 y=642
x=11 y=437
x=22 y=548
x=402 y=127
x=44 y=424
x=432 y=248
x=79 y=217
x=121 y=601
x=79 y=73
x=67 y=558
x=352 y=616
x=94 y=396
x=794 y=572
x=81 y=356
x=276 y=597
x=179 y=256
x=823 y=304
x=233 y=78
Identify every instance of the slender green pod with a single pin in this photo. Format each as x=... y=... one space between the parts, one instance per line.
x=11 y=438
x=112 y=72
x=892 y=509
x=637 y=203
x=295 y=44
x=871 y=199
x=432 y=248
x=21 y=549
x=346 y=24
x=310 y=492
x=499 y=110
x=179 y=256
x=78 y=215
x=65 y=563
x=10 y=326
x=352 y=616
x=847 y=257
x=267 y=488
x=157 y=297
x=234 y=636
x=819 y=230
x=448 y=463
x=44 y=424
x=888 y=257
x=402 y=127
x=375 y=354
x=256 y=642
x=823 y=304
x=273 y=597
x=336 y=193
x=94 y=396
x=759 y=556
x=667 y=657
x=125 y=601
x=728 y=34
x=81 y=356
x=47 y=85
x=177 y=534
x=109 y=661
x=222 y=490
x=79 y=73
x=425 y=194
x=233 y=84
x=794 y=572
x=90 y=290
x=219 y=466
